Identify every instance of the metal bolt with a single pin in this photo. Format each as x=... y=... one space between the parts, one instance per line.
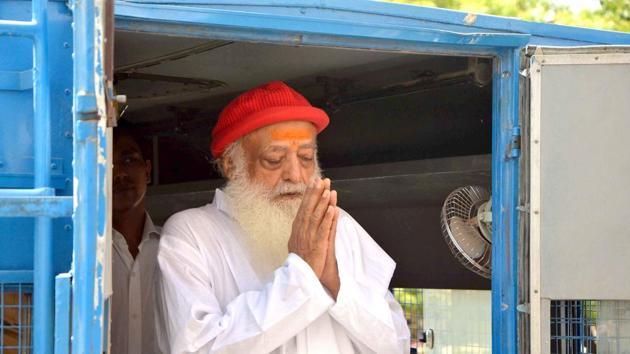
x=535 y=291
x=68 y=135
x=66 y=45
x=536 y=141
x=53 y=166
x=536 y=212
x=66 y=91
x=68 y=181
x=67 y=227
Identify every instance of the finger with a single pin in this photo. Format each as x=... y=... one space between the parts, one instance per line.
x=333 y=198
x=312 y=197
x=307 y=200
x=333 y=227
x=332 y=255
x=320 y=209
x=324 y=228
x=327 y=183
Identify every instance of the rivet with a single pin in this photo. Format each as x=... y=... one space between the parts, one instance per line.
x=53 y=166
x=66 y=91
x=68 y=181
x=536 y=212
x=68 y=135
x=67 y=227
x=536 y=141
x=535 y=291
x=66 y=45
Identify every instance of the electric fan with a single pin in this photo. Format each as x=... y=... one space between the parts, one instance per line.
x=467 y=228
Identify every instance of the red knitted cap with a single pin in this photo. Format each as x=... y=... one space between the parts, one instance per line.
x=259 y=107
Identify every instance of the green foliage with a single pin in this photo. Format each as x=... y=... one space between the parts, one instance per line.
x=613 y=15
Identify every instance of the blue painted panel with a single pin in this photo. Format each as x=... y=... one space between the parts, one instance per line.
x=16 y=118
x=16 y=133
x=379 y=13
x=505 y=176
x=16 y=244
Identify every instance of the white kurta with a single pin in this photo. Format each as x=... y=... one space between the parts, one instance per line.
x=133 y=280
x=213 y=302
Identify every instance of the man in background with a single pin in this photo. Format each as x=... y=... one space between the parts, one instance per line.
x=135 y=241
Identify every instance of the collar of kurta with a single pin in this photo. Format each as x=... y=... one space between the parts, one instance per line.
x=222 y=202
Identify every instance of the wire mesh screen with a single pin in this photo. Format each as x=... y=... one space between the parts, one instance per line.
x=411 y=302
x=15 y=318
x=590 y=326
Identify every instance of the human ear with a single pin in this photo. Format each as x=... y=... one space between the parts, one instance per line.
x=227 y=166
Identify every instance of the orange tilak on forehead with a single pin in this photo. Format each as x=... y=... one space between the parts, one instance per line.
x=292 y=134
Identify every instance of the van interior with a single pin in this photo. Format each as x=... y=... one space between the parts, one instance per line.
x=406 y=130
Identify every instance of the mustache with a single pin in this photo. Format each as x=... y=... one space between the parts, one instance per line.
x=288 y=188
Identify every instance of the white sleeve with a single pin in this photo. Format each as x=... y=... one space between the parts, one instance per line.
x=365 y=307
x=253 y=322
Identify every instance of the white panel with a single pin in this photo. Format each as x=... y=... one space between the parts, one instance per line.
x=580 y=184
x=460 y=319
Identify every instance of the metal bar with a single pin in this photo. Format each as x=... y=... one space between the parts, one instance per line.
x=86 y=314
x=304 y=26
x=18 y=28
x=16 y=276
x=420 y=14
x=62 y=313
x=505 y=175
x=16 y=80
x=43 y=286
x=7 y=193
x=43 y=273
x=87 y=302
x=48 y=207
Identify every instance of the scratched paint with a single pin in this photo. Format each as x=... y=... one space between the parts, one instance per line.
x=470 y=19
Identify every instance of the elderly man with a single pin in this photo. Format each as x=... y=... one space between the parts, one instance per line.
x=135 y=243
x=273 y=265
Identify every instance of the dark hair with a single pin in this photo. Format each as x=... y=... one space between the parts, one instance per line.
x=124 y=128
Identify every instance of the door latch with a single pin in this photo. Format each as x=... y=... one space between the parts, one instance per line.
x=426 y=337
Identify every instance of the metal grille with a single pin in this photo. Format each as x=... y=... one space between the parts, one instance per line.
x=411 y=302
x=590 y=327
x=15 y=318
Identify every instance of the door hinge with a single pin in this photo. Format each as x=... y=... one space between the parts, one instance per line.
x=514 y=148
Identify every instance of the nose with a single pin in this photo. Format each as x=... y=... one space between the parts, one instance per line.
x=291 y=171
x=119 y=173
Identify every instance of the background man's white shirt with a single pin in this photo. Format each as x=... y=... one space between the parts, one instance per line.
x=133 y=300
x=213 y=301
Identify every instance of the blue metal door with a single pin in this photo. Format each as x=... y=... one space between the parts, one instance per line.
x=49 y=123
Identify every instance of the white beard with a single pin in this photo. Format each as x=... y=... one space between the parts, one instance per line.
x=266 y=223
